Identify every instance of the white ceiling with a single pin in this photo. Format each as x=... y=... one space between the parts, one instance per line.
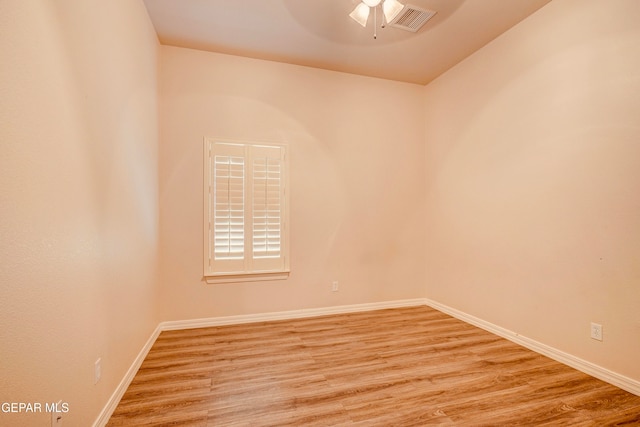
x=319 y=33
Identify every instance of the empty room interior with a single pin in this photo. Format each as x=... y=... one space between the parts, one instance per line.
x=432 y=221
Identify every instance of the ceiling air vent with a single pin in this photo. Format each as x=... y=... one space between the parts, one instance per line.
x=412 y=18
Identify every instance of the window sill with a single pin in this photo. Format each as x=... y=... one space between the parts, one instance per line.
x=247 y=277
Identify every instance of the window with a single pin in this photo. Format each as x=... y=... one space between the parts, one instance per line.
x=246 y=206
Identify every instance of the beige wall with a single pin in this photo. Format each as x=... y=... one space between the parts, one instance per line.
x=78 y=200
x=523 y=160
x=533 y=160
x=357 y=181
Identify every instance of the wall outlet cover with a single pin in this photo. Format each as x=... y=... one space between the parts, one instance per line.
x=596 y=331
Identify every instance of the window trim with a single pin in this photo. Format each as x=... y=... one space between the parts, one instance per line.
x=213 y=277
x=246 y=277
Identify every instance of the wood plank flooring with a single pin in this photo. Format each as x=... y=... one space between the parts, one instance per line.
x=399 y=367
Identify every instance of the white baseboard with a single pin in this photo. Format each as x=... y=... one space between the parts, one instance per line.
x=284 y=315
x=625 y=383
x=113 y=401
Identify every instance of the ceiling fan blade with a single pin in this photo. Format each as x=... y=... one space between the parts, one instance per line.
x=360 y=14
x=391 y=8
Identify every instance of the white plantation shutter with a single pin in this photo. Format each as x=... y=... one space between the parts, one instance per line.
x=228 y=207
x=245 y=209
x=267 y=206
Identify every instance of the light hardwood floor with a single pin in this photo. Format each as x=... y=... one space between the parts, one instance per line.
x=399 y=367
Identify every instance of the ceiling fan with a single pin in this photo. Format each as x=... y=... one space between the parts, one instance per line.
x=390 y=9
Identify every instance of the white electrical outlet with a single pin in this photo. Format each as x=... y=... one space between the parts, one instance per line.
x=596 y=331
x=334 y=286
x=97 y=370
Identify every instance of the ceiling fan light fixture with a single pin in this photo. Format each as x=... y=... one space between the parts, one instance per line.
x=360 y=14
x=391 y=9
